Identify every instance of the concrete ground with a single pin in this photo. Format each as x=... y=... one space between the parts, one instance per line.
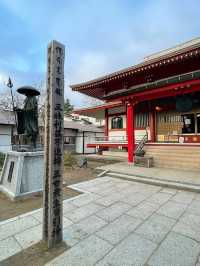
x=175 y=175
x=117 y=223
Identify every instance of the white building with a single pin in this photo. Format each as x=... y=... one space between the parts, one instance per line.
x=78 y=134
x=7 y=125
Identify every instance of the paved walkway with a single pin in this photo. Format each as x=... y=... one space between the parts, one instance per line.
x=118 y=223
x=176 y=175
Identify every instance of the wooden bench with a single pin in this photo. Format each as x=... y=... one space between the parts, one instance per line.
x=145 y=161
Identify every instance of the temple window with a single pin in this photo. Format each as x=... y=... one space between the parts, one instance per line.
x=188 y=123
x=117 y=122
x=141 y=120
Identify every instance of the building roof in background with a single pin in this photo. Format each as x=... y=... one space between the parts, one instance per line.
x=78 y=126
x=176 y=54
x=7 y=117
x=97 y=111
x=104 y=106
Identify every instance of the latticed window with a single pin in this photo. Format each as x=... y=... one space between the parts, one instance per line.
x=117 y=122
x=141 y=120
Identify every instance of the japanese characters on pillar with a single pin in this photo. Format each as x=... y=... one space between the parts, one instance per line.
x=52 y=219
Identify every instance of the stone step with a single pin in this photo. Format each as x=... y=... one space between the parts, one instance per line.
x=172 y=150
x=175 y=158
x=156 y=181
x=177 y=166
x=187 y=158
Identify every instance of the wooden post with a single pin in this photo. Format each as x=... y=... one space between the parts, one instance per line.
x=53 y=155
x=131 y=131
x=152 y=125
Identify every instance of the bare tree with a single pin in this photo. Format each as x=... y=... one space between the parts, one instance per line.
x=6 y=99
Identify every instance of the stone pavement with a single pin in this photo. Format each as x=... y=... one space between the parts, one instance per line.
x=117 y=223
x=165 y=174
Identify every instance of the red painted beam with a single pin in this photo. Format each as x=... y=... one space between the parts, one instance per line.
x=167 y=91
x=106 y=145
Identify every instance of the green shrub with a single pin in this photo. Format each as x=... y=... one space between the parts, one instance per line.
x=69 y=159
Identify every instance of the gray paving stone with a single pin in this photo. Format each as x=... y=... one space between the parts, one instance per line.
x=143 y=210
x=67 y=207
x=104 y=263
x=118 y=229
x=17 y=226
x=105 y=191
x=91 y=224
x=114 y=211
x=187 y=230
x=183 y=197
x=82 y=212
x=84 y=199
x=172 y=209
x=175 y=250
x=134 y=250
x=38 y=215
x=163 y=220
x=130 y=190
x=160 y=198
x=169 y=191
x=134 y=199
x=29 y=237
x=108 y=200
x=192 y=220
x=194 y=207
x=122 y=185
x=152 y=231
x=8 y=247
x=66 y=222
x=86 y=253
x=73 y=234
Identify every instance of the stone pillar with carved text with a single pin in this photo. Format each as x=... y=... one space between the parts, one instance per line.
x=53 y=154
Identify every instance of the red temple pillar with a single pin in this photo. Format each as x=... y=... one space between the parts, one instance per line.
x=131 y=131
x=152 y=125
x=106 y=124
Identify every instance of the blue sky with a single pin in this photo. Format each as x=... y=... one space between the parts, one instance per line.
x=100 y=36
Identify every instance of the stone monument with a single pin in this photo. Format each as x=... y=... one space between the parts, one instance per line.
x=23 y=169
x=54 y=130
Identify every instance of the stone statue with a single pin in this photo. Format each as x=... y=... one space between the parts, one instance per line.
x=27 y=122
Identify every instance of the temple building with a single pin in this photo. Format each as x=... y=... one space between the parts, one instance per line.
x=152 y=107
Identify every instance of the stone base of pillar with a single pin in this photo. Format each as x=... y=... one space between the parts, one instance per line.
x=22 y=174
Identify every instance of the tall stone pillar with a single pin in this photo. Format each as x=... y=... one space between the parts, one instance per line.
x=53 y=154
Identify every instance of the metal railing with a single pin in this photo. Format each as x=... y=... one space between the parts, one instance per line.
x=141 y=144
x=119 y=139
x=113 y=139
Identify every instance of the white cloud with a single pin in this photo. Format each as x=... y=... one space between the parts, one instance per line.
x=3 y=79
x=90 y=66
